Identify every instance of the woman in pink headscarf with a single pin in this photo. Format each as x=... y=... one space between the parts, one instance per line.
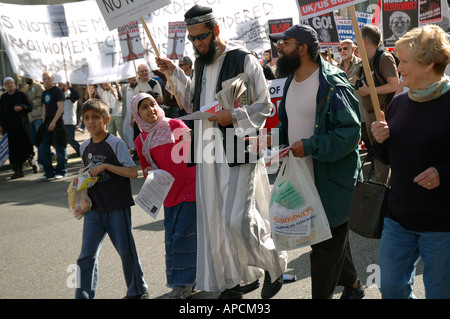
x=161 y=146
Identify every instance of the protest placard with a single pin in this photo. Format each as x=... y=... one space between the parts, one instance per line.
x=277 y=26
x=176 y=40
x=120 y=12
x=313 y=8
x=399 y=17
x=430 y=11
x=130 y=41
x=326 y=29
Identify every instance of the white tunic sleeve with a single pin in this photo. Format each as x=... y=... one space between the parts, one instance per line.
x=254 y=116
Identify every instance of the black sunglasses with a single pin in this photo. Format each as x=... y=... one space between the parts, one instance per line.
x=201 y=36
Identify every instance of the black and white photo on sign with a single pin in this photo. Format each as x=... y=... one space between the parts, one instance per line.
x=399 y=17
x=326 y=29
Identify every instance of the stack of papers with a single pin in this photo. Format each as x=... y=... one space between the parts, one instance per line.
x=232 y=89
x=227 y=99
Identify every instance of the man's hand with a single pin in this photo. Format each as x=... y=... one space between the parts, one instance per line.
x=51 y=126
x=363 y=90
x=222 y=117
x=258 y=144
x=165 y=65
x=298 y=149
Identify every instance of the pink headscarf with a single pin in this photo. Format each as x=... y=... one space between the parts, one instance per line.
x=159 y=132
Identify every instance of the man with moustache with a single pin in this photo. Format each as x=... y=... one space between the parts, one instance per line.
x=320 y=120
x=234 y=243
x=352 y=65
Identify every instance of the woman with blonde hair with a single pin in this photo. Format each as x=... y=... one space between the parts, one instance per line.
x=414 y=139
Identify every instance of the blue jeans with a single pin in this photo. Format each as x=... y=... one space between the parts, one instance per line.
x=46 y=157
x=180 y=223
x=70 y=132
x=400 y=251
x=34 y=126
x=117 y=224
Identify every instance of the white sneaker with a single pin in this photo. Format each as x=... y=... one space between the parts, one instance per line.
x=58 y=176
x=44 y=178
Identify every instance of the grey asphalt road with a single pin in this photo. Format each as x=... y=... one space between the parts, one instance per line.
x=40 y=241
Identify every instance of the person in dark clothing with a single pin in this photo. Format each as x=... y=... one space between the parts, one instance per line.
x=414 y=139
x=14 y=109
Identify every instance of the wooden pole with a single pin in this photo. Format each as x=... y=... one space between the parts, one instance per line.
x=169 y=79
x=365 y=63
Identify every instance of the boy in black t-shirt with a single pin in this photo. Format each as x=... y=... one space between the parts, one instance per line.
x=108 y=158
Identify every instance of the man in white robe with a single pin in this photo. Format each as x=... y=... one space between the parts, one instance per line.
x=234 y=243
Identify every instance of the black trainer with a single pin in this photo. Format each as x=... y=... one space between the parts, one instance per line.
x=233 y=293
x=250 y=287
x=270 y=288
x=143 y=296
x=353 y=293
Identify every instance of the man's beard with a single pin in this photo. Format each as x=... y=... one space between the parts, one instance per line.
x=211 y=55
x=287 y=64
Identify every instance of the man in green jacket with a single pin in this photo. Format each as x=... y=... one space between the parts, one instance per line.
x=320 y=120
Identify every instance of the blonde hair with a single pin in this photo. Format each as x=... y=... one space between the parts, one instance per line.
x=428 y=44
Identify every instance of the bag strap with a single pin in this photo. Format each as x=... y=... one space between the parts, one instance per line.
x=372 y=167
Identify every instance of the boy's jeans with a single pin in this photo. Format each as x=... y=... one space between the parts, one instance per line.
x=117 y=224
x=400 y=250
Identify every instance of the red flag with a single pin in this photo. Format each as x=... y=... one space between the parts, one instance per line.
x=376 y=14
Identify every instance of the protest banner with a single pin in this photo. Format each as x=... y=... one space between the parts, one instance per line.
x=93 y=53
x=399 y=17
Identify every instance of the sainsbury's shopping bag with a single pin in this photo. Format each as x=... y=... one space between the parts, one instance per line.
x=297 y=216
x=4 y=149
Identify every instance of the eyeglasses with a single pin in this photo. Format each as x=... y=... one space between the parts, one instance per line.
x=283 y=42
x=343 y=49
x=199 y=37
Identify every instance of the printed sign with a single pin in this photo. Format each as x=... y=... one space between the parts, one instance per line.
x=176 y=40
x=312 y=8
x=130 y=41
x=120 y=12
x=399 y=17
x=326 y=29
x=278 y=26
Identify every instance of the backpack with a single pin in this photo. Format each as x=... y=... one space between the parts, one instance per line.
x=376 y=69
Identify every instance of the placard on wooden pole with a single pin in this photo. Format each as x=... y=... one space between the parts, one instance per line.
x=365 y=63
x=169 y=80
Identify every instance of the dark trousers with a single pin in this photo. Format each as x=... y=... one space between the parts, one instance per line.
x=332 y=264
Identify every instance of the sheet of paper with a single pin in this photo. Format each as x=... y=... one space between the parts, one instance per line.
x=154 y=191
x=199 y=115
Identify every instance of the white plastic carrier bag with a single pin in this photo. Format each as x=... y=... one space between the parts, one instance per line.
x=297 y=216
